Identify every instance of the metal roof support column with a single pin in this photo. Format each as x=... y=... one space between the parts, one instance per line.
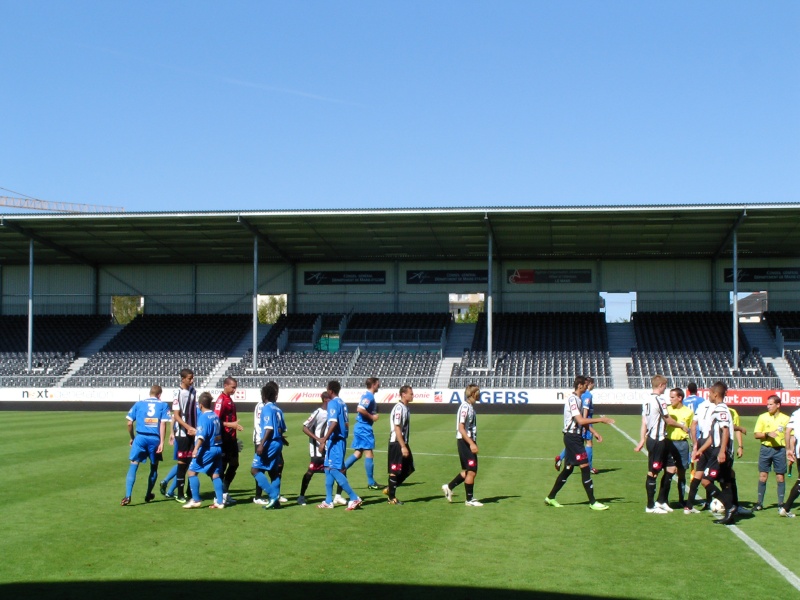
x=255 y=304
x=96 y=299
x=488 y=307
x=735 y=302
x=396 y=287
x=30 y=306
x=194 y=289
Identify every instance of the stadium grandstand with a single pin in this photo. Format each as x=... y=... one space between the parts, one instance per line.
x=372 y=299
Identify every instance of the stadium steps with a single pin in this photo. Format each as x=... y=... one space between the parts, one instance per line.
x=242 y=346
x=459 y=338
x=759 y=336
x=96 y=344
x=442 y=378
x=91 y=347
x=619 y=374
x=621 y=340
x=784 y=372
x=73 y=368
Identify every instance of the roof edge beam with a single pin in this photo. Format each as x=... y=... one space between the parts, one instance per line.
x=255 y=231
x=47 y=243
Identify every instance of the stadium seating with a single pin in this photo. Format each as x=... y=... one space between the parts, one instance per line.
x=693 y=346
x=537 y=350
x=382 y=329
x=152 y=349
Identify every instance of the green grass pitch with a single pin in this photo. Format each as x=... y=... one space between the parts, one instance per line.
x=64 y=534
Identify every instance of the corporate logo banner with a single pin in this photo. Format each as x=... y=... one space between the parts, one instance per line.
x=447 y=276
x=756 y=274
x=344 y=277
x=527 y=276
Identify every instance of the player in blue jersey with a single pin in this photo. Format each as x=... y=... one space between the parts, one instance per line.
x=364 y=436
x=268 y=459
x=589 y=433
x=335 y=443
x=207 y=454
x=692 y=400
x=147 y=423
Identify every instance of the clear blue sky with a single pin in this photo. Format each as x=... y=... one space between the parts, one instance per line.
x=371 y=104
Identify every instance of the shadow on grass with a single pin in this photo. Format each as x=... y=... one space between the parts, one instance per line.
x=286 y=590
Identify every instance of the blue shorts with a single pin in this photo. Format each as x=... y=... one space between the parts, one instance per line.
x=144 y=447
x=587 y=435
x=208 y=462
x=363 y=437
x=334 y=455
x=271 y=458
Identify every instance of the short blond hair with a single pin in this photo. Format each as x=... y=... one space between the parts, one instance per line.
x=472 y=391
x=658 y=380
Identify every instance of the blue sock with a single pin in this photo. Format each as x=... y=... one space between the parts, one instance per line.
x=350 y=461
x=151 y=481
x=275 y=490
x=563 y=454
x=218 y=489
x=590 y=453
x=342 y=481
x=172 y=486
x=262 y=481
x=130 y=479
x=194 y=485
x=369 y=466
x=328 y=486
x=171 y=475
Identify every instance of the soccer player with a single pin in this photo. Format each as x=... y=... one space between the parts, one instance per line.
x=268 y=459
x=574 y=427
x=206 y=454
x=792 y=435
x=466 y=440
x=257 y=436
x=770 y=429
x=335 y=443
x=149 y=417
x=692 y=400
x=363 y=434
x=184 y=413
x=314 y=427
x=655 y=419
x=225 y=409
x=401 y=461
x=680 y=439
x=587 y=409
x=718 y=450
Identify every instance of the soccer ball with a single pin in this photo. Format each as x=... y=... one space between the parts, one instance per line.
x=717 y=507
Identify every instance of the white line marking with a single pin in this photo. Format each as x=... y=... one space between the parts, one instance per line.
x=793 y=579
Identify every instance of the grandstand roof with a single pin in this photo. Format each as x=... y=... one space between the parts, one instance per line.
x=295 y=236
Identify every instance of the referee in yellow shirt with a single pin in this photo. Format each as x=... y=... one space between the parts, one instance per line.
x=770 y=428
x=680 y=439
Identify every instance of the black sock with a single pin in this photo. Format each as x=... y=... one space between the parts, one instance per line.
x=180 y=478
x=457 y=481
x=588 y=485
x=561 y=479
x=306 y=481
x=793 y=494
x=392 y=486
x=692 y=492
x=650 y=486
x=663 y=492
x=469 y=487
x=682 y=489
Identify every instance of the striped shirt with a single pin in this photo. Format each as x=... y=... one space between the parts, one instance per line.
x=572 y=409
x=400 y=417
x=719 y=420
x=318 y=423
x=466 y=415
x=655 y=412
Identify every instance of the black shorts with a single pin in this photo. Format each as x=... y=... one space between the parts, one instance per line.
x=185 y=446
x=575 y=451
x=469 y=461
x=316 y=464
x=399 y=464
x=659 y=452
x=230 y=448
x=714 y=471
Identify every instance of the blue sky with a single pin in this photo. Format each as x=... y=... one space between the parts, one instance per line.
x=282 y=105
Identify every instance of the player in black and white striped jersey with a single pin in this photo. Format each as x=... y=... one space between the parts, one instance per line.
x=718 y=449
x=574 y=427
x=401 y=461
x=655 y=419
x=314 y=427
x=466 y=440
